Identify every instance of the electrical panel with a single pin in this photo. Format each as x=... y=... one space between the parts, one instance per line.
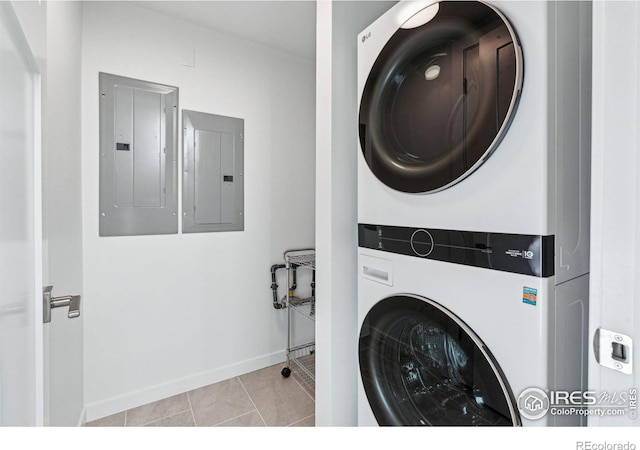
x=213 y=179
x=138 y=157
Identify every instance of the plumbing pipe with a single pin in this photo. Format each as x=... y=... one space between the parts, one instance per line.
x=294 y=284
x=313 y=292
x=274 y=285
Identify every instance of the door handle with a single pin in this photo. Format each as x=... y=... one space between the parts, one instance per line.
x=49 y=302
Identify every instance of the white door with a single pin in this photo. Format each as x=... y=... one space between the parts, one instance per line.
x=41 y=380
x=21 y=343
x=615 y=245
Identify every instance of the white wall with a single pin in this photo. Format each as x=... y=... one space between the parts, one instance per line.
x=338 y=24
x=615 y=214
x=164 y=314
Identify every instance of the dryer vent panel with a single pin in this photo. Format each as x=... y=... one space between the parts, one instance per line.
x=138 y=157
x=212 y=183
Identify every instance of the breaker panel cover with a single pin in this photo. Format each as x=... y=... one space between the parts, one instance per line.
x=138 y=157
x=213 y=179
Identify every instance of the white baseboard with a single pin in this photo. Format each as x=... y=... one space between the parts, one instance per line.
x=114 y=405
x=82 y=420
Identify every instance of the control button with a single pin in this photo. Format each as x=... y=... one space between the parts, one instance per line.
x=422 y=242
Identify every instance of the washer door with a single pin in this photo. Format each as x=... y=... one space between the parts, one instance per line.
x=440 y=96
x=421 y=365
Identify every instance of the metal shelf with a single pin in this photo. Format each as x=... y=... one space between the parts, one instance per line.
x=305 y=361
x=304 y=260
x=304 y=306
x=303 y=355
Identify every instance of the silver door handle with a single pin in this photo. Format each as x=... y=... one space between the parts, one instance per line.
x=49 y=302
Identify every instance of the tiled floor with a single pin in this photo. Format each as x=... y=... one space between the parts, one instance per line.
x=257 y=399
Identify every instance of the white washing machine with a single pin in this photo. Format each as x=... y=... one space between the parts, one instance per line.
x=452 y=344
x=473 y=197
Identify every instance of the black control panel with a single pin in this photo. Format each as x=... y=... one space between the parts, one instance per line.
x=516 y=253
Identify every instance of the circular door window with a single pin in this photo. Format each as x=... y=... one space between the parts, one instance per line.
x=440 y=96
x=421 y=365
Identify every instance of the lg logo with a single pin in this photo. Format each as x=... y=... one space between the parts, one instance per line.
x=526 y=254
x=366 y=36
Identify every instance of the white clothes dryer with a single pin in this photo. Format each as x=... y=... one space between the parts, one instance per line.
x=473 y=211
x=478 y=120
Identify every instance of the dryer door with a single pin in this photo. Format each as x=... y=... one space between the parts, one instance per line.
x=440 y=96
x=421 y=365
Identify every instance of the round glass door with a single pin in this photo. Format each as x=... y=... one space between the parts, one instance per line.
x=421 y=365
x=440 y=96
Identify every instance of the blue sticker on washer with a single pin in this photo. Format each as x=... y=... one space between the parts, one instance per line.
x=529 y=296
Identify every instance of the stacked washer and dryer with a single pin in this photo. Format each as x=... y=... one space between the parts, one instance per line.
x=473 y=212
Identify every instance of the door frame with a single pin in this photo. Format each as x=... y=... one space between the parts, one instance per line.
x=615 y=136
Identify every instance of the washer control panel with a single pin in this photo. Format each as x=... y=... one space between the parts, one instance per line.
x=517 y=253
x=422 y=243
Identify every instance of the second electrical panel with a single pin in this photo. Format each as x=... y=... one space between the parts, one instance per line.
x=213 y=186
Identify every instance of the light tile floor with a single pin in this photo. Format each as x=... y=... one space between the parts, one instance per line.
x=256 y=399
